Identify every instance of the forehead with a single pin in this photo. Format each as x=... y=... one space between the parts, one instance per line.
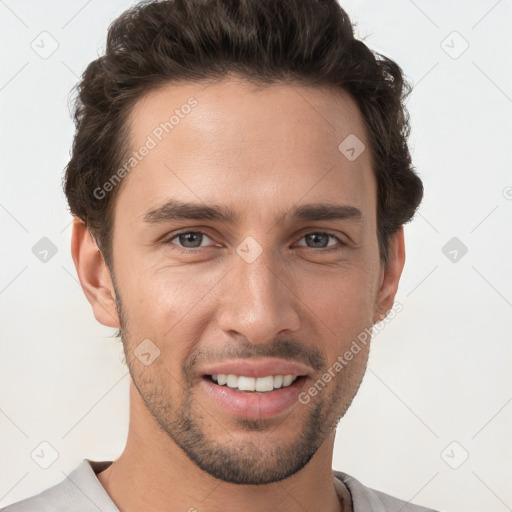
x=264 y=146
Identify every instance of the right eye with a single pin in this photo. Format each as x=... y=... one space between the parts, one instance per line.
x=189 y=240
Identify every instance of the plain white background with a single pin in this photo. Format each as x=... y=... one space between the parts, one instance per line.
x=432 y=420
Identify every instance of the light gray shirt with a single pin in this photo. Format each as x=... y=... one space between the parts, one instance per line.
x=83 y=492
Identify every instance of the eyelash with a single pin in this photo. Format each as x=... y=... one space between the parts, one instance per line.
x=321 y=249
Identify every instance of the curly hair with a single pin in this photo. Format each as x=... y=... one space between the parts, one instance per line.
x=308 y=42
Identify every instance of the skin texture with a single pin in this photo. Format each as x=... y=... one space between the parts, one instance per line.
x=260 y=151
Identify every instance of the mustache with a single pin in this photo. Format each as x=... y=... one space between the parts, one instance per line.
x=284 y=349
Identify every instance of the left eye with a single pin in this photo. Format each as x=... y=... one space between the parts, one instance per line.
x=320 y=238
x=193 y=239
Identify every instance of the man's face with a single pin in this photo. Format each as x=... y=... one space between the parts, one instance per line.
x=266 y=284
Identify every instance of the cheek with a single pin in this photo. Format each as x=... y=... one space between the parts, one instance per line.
x=161 y=301
x=344 y=300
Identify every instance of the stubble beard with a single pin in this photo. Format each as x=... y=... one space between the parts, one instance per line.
x=240 y=460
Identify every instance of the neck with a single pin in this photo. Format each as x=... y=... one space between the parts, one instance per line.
x=153 y=473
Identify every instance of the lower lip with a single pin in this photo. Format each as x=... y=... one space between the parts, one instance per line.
x=253 y=404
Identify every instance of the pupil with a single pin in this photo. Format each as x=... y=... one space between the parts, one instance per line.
x=189 y=237
x=315 y=236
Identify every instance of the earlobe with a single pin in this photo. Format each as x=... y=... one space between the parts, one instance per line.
x=94 y=275
x=390 y=275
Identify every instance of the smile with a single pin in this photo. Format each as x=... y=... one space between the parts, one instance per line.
x=251 y=397
x=260 y=384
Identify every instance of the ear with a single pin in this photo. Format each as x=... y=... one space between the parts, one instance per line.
x=390 y=275
x=93 y=274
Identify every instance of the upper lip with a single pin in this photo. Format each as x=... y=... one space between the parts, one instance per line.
x=257 y=368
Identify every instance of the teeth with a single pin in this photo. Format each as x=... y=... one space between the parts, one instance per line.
x=264 y=384
x=287 y=380
x=246 y=384
x=261 y=384
x=232 y=381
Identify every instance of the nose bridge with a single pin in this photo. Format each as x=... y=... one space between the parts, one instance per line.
x=261 y=303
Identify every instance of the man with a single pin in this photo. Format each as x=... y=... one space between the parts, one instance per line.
x=240 y=178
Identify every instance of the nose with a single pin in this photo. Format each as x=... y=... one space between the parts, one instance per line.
x=258 y=299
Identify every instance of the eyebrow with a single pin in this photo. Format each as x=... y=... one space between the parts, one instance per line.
x=177 y=210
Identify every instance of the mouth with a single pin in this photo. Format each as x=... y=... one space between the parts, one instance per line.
x=254 y=388
x=251 y=397
x=247 y=384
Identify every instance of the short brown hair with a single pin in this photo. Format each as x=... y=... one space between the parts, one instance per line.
x=307 y=42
